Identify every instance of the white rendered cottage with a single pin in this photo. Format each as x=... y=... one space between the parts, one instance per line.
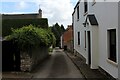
x=95 y=25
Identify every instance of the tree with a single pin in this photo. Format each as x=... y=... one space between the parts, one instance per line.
x=63 y=29
x=58 y=31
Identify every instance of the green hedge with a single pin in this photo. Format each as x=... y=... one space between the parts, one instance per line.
x=7 y=24
x=29 y=37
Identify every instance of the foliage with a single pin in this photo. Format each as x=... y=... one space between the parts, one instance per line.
x=58 y=31
x=62 y=29
x=29 y=37
x=50 y=50
x=18 y=23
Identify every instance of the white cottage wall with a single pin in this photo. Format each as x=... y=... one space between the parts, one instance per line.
x=107 y=16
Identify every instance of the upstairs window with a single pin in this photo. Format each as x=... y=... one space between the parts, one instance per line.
x=85 y=6
x=78 y=13
x=85 y=39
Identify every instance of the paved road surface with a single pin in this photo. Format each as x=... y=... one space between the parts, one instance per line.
x=57 y=66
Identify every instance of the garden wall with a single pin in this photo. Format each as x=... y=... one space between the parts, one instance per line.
x=28 y=63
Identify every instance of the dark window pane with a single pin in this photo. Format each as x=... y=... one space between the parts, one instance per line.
x=85 y=39
x=78 y=12
x=112 y=47
x=78 y=38
x=85 y=6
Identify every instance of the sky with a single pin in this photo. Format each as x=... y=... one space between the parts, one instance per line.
x=59 y=11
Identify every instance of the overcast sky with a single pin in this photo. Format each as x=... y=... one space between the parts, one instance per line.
x=55 y=10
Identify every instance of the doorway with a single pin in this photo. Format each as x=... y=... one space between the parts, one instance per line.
x=89 y=48
x=10 y=56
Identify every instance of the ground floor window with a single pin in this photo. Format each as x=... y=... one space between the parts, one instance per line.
x=112 y=44
x=85 y=39
x=78 y=38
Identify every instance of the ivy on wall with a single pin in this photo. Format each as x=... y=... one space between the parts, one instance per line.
x=30 y=36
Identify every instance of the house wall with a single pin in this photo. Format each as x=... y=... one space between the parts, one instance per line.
x=107 y=17
x=94 y=47
x=68 y=38
x=119 y=40
x=78 y=27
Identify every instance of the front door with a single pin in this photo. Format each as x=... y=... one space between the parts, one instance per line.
x=89 y=48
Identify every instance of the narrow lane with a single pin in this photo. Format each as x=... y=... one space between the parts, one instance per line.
x=57 y=66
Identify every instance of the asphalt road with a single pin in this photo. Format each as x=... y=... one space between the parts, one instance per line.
x=57 y=66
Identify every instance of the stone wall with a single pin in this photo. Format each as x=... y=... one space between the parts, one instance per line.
x=38 y=55
x=29 y=62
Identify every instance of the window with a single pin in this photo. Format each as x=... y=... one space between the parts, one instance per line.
x=78 y=12
x=78 y=38
x=85 y=39
x=112 y=44
x=85 y=6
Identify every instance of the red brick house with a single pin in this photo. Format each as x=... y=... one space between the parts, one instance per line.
x=67 y=38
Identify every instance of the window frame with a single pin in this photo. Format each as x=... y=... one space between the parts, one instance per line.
x=111 y=46
x=78 y=16
x=85 y=7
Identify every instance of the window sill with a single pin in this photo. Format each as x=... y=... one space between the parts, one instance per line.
x=85 y=13
x=112 y=62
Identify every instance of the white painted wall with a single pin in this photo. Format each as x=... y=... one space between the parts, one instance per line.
x=107 y=17
x=119 y=41
x=78 y=27
x=94 y=47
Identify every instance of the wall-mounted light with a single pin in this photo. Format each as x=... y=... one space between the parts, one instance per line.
x=85 y=23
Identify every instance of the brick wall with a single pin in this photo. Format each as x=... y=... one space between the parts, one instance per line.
x=68 y=38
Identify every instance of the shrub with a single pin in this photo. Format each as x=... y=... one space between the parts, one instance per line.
x=29 y=37
x=50 y=50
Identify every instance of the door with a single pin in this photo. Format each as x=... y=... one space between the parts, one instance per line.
x=7 y=56
x=89 y=48
x=10 y=57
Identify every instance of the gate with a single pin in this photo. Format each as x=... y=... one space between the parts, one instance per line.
x=10 y=56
